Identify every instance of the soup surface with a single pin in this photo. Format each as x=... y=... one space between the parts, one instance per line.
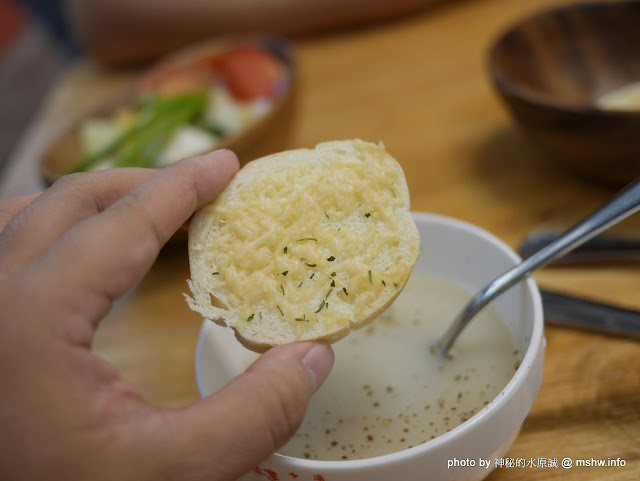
x=389 y=391
x=626 y=98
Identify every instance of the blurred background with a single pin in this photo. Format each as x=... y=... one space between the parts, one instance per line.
x=34 y=51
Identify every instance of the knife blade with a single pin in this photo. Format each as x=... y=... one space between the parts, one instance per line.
x=575 y=312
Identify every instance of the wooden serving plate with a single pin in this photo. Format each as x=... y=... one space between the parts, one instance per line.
x=265 y=135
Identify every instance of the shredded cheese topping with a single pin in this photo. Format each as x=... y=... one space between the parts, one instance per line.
x=309 y=242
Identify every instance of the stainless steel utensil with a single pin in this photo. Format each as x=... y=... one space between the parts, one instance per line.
x=624 y=204
x=601 y=248
x=569 y=311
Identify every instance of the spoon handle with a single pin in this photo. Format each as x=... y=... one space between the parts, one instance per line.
x=624 y=204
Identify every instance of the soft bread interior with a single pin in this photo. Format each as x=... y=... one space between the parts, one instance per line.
x=305 y=244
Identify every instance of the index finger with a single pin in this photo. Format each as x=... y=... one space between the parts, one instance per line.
x=104 y=256
x=73 y=198
x=9 y=208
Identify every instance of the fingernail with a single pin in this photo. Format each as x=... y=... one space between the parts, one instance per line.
x=318 y=360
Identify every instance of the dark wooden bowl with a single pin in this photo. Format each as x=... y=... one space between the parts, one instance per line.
x=552 y=69
x=266 y=135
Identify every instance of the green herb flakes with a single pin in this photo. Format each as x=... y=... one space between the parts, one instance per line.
x=216 y=273
x=331 y=259
x=250 y=318
x=370 y=278
x=307 y=239
x=284 y=273
x=321 y=306
x=281 y=313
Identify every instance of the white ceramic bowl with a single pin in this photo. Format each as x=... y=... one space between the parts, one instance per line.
x=468 y=257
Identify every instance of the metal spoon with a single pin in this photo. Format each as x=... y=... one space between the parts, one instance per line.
x=624 y=204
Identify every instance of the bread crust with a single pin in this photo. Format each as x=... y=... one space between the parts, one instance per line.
x=281 y=240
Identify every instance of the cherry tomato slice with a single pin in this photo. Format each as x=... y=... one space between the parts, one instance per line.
x=249 y=72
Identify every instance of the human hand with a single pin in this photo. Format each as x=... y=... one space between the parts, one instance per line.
x=66 y=414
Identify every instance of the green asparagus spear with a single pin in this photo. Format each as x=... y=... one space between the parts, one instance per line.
x=143 y=142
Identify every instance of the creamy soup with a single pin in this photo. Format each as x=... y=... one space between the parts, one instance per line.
x=388 y=391
x=623 y=98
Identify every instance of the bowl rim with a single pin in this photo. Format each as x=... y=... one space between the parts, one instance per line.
x=504 y=86
x=535 y=344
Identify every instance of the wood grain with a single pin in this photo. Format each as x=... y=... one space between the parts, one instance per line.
x=552 y=69
x=420 y=85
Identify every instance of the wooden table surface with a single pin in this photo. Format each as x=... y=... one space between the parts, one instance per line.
x=420 y=86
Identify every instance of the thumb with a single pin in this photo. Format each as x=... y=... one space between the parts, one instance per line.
x=230 y=432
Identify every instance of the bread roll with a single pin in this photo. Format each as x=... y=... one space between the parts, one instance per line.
x=305 y=244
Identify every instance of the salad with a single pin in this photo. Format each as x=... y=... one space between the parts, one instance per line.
x=185 y=110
